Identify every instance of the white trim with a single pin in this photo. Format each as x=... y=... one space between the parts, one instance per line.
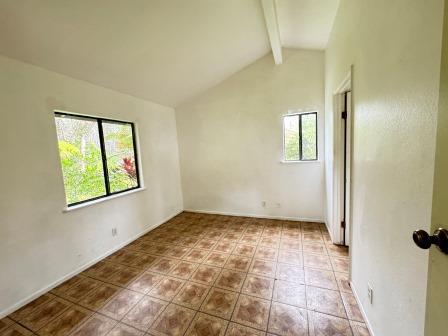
x=336 y=201
x=361 y=308
x=100 y=200
x=91 y=116
x=303 y=161
x=346 y=83
x=299 y=111
x=44 y=290
x=239 y=214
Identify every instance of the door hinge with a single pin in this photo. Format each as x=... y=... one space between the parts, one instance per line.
x=343 y=224
x=344 y=115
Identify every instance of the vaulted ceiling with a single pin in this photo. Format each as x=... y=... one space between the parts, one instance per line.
x=166 y=51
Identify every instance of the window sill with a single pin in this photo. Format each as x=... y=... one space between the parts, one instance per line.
x=100 y=200
x=310 y=161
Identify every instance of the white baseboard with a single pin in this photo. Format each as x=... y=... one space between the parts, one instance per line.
x=42 y=291
x=297 y=219
x=361 y=308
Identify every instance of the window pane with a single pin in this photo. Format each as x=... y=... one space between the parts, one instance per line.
x=80 y=152
x=118 y=140
x=291 y=134
x=309 y=137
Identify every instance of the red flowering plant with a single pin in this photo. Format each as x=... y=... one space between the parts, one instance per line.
x=128 y=166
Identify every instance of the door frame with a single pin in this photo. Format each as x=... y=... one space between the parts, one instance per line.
x=338 y=167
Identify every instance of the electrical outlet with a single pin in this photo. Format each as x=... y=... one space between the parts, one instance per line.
x=263 y=204
x=114 y=232
x=370 y=293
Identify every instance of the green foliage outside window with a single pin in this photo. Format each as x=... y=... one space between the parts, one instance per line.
x=81 y=157
x=293 y=135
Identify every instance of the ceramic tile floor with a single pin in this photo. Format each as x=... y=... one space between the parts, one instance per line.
x=206 y=275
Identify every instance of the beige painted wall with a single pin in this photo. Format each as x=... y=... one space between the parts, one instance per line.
x=395 y=49
x=230 y=141
x=39 y=244
x=437 y=302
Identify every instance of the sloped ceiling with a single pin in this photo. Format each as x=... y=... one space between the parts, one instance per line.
x=306 y=24
x=166 y=51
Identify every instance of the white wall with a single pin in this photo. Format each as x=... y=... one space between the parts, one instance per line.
x=39 y=244
x=395 y=49
x=230 y=141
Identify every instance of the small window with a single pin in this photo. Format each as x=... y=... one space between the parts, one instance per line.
x=98 y=157
x=300 y=137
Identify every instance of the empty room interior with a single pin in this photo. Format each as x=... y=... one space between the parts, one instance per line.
x=224 y=167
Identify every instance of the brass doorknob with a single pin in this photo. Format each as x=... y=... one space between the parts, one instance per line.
x=439 y=238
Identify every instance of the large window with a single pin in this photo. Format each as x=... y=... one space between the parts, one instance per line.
x=300 y=137
x=98 y=157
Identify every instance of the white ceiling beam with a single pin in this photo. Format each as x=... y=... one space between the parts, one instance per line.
x=270 y=15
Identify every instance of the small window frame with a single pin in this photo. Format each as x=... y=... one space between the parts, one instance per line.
x=300 y=114
x=99 y=121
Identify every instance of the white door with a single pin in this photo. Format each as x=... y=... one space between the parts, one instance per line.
x=437 y=294
x=347 y=179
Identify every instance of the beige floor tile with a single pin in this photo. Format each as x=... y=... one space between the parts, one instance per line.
x=144 y=313
x=290 y=257
x=238 y=263
x=16 y=330
x=207 y=325
x=96 y=325
x=244 y=250
x=26 y=310
x=44 y=313
x=173 y=321
x=252 y=312
x=325 y=301
x=235 y=329
x=167 y=288
x=263 y=267
x=314 y=248
x=184 y=270
x=121 y=304
x=259 y=286
x=5 y=323
x=340 y=264
x=322 y=324
x=191 y=295
x=219 y=302
x=343 y=282
x=231 y=280
x=359 y=329
x=317 y=261
x=288 y=320
x=320 y=278
x=205 y=274
x=145 y=282
x=216 y=259
x=99 y=296
x=351 y=307
x=290 y=293
x=125 y=330
x=65 y=323
x=163 y=265
x=266 y=253
x=290 y=273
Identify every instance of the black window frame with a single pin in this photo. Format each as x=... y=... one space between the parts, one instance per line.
x=299 y=115
x=99 y=122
